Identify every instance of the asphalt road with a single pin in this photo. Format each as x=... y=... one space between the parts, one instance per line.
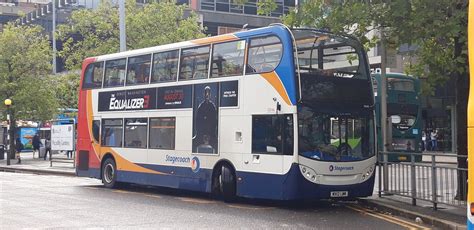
x=43 y=201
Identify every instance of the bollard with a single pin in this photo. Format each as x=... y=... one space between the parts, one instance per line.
x=413 y=181
x=2 y=152
x=433 y=182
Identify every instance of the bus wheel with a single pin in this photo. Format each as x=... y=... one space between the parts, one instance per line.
x=227 y=183
x=109 y=173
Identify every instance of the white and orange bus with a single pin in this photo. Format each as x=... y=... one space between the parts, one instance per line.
x=272 y=113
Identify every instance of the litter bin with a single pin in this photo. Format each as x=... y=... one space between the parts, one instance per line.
x=42 y=151
x=2 y=152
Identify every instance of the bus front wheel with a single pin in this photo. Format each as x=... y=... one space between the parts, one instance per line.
x=227 y=183
x=109 y=173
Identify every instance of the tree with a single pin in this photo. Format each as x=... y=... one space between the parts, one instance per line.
x=67 y=86
x=24 y=74
x=25 y=57
x=437 y=28
x=95 y=32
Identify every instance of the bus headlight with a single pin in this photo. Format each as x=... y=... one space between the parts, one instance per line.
x=308 y=173
x=367 y=173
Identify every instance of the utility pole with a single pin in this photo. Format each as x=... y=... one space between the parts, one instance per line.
x=383 y=108
x=54 y=35
x=123 y=37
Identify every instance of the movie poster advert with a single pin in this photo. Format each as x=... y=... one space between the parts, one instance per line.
x=139 y=99
x=175 y=97
x=229 y=94
x=205 y=118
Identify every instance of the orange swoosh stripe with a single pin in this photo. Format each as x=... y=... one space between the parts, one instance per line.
x=275 y=81
x=221 y=38
x=122 y=163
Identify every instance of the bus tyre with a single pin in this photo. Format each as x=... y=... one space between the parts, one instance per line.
x=227 y=183
x=109 y=173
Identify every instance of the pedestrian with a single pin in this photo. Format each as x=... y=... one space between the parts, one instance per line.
x=47 y=146
x=36 y=145
x=434 y=139
x=18 y=147
x=69 y=154
x=423 y=141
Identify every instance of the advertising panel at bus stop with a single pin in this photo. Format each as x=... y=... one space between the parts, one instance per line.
x=62 y=137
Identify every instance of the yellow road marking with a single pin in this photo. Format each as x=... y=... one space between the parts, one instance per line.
x=387 y=218
x=94 y=188
x=153 y=196
x=248 y=207
x=121 y=191
x=197 y=201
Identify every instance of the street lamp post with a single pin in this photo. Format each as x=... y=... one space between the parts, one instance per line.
x=8 y=103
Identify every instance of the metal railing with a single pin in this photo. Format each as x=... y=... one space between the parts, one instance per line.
x=435 y=178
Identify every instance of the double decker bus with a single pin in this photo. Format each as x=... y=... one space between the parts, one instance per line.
x=246 y=114
x=470 y=121
x=404 y=111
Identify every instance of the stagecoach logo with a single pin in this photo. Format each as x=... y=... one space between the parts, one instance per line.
x=340 y=168
x=195 y=164
x=132 y=103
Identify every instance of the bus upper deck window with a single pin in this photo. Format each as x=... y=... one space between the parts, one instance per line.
x=165 y=66
x=138 y=69
x=93 y=76
x=228 y=59
x=264 y=54
x=115 y=72
x=194 y=63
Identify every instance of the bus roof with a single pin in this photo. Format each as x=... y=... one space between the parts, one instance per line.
x=275 y=29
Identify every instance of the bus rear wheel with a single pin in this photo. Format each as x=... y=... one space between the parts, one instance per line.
x=227 y=183
x=109 y=173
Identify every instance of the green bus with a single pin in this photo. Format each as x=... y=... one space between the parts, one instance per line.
x=404 y=111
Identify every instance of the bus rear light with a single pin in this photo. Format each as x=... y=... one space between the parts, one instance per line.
x=472 y=209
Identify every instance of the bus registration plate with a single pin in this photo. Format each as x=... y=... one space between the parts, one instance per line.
x=339 y=193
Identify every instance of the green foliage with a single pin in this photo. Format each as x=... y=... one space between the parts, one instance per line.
x=437 y=28
x=67 y=86
x=96 y=32
x=25 y=57
x=265 y=7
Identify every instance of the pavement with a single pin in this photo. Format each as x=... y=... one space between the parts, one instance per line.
x=61 y=165
x=445 y=217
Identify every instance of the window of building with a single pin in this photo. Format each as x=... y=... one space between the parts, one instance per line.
x=227 y=30
x=96 y=129
x=115 y=73
x=162 y=133
x=165 y=66
x=135 y=132
x=138 y=69
x=264 y=54
x=222 y=5
x=93 y=76
x=228 y=59
x=272 y=134
x=112 y=132
x=208 y=5
x=251 y=7
x=194 y=63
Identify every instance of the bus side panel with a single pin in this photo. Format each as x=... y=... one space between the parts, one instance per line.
x=169 y=176
x=87 y=162
x=293 y=186
x=87 y=159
